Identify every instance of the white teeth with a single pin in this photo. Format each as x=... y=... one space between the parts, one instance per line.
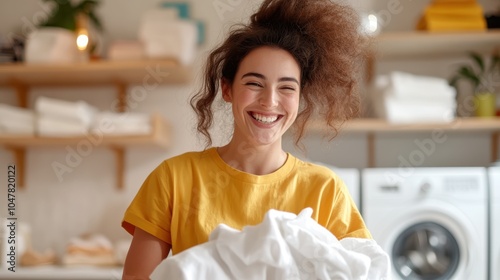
x=265 y=119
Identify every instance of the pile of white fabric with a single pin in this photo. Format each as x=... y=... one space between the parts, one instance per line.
x=406 y=98
x=61 y=118
x=284 y=246
x=16 y=121
x=164 y=35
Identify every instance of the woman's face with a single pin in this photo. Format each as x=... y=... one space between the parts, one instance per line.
x=264 y=96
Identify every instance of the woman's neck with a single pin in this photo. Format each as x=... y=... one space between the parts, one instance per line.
x=258 y=160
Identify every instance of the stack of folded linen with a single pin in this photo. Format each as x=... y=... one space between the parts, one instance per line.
x=453 y=15
x=62 y=118
x=16 y=121
x=93 y=249
x=164 y=35
x=406 y=98
x=121 y=123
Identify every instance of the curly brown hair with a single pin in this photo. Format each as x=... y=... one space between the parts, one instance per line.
x=324 y=39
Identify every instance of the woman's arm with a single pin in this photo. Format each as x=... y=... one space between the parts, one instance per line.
x=144 y=254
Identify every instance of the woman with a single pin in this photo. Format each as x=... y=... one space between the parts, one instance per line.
x=295 y=59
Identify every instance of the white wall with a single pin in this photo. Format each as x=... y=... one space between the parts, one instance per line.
x=86 y=200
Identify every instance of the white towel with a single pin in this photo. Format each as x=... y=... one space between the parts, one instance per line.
x=16 y=128
x=407 y=86
x=406 y=112
x=17 y=114
x=284 y=246
x=79 y=112
x=56 y=127
x=169 y=38
x=122 y=123
x=399 y=109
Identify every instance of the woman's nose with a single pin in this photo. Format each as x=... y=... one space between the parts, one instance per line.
x=269 y=98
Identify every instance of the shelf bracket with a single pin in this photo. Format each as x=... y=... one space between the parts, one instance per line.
x=21 y=92
x=120 y=166
x=19 y=161
x=121 y=92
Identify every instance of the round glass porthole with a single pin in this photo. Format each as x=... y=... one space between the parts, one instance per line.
x=426 y=251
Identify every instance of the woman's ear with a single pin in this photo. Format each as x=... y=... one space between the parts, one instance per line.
x=226 y=90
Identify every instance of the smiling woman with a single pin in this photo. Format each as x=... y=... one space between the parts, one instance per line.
x=294 y=59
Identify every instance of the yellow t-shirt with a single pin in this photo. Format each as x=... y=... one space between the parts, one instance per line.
x=187 y=196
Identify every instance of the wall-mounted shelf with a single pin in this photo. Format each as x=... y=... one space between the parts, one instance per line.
x=371 y=127
x=406 y=45
x=147 y=73
x=159 y=137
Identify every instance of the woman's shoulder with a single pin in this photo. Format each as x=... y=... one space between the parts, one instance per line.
x=316 y=168
x=196 y=158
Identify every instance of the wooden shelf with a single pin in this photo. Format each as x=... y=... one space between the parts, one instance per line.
x=372 y=127
x=363 y=125
x=159 y=137
x=99 y=72
x=407 y=45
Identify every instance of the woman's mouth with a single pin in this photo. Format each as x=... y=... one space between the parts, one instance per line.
x=265 y=119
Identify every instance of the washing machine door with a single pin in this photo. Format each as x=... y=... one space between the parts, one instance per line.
x=426 y=250
x=431 y=241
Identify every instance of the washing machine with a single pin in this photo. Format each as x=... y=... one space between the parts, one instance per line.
x=431 y=221
x=494 y=174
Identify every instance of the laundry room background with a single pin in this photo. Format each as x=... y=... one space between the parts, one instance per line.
x=87 y=201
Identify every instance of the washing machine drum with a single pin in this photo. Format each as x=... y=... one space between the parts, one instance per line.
x=426 y=250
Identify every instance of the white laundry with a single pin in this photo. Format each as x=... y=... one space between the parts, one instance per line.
x=408 y=86
x=122 y=123
x=284 y=246
x=16 y=120
x=79 y=112
x=402 y=98
x=54 y=127
x=165 y=36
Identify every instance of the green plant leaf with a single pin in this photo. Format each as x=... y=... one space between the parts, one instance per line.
x=468 y=73
x=63 y=15
x=478 y=59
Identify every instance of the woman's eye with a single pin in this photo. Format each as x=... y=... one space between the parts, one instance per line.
x=253 y=84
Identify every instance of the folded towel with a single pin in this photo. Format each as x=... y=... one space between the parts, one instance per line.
x=56 y=127
x=407 y=86
x=126 y=50
x=175 y=39
x=121 y=119
x=401 y=112
x=122 y=123
x=283 y=246
x=449 y=23
x=17 y=128
x=455 y=10
x=79 y=112
x=17 y=114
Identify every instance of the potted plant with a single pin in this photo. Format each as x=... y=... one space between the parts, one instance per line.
x=55 y=39
x=483 y=73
